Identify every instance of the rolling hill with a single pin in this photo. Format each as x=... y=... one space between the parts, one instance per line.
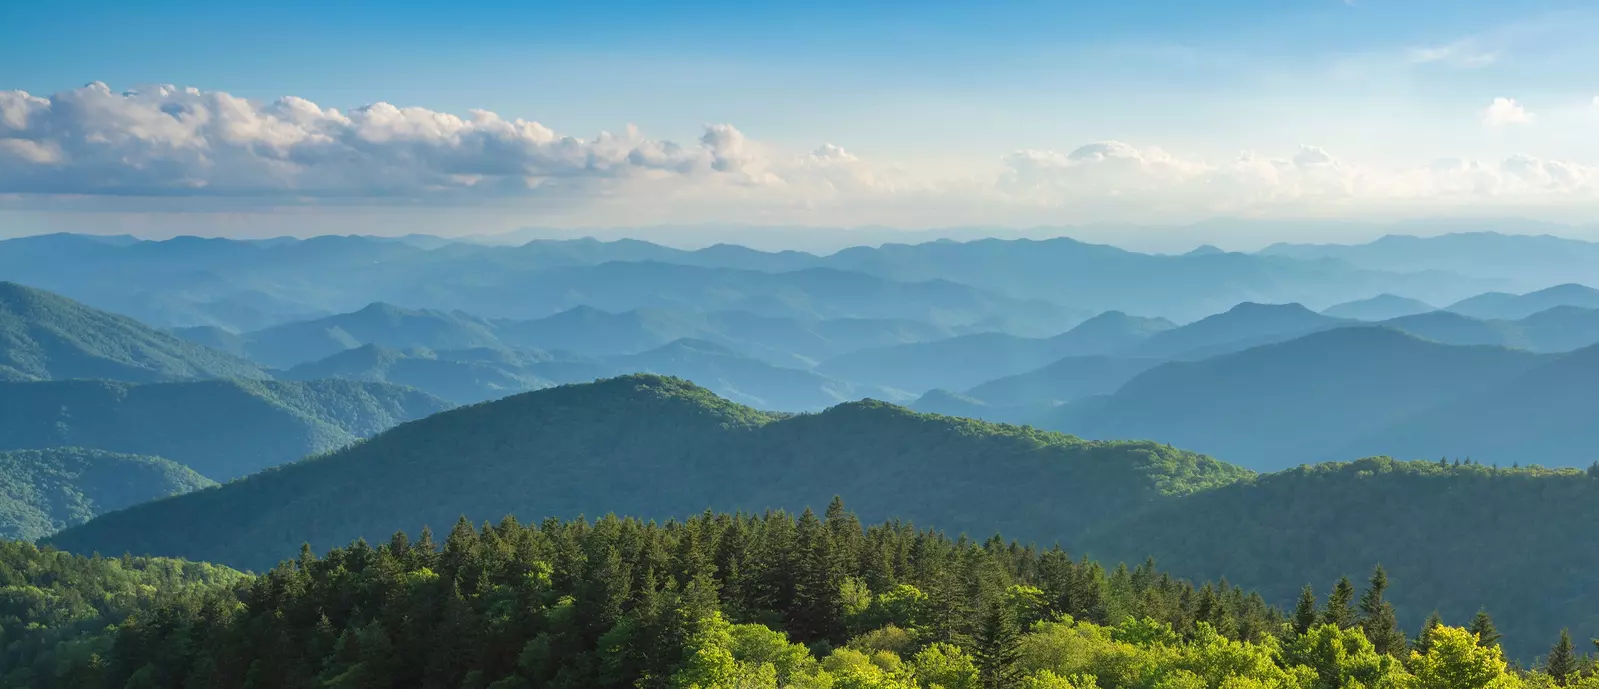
x=1453 y=539
x=1379 y=308
x=1513 y=307
x=962 y=362
x=1245 y=325
x=1545 y=416
x=44 y=336
x=44 y=491
x=658 y=447
x=381 y=324
x=222 y=429
x=1294 y=402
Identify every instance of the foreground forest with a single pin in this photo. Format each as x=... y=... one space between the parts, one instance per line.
x=715 y=601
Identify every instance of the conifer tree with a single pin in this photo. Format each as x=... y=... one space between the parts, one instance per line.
x=1562 y=662
x=1305 y=611
x=1339 y=611
x=1424 y=639
x=1483 y=626
x=1377 y=617
x=997 y=647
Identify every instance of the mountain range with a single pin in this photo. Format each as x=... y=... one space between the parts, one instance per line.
x=661 y=447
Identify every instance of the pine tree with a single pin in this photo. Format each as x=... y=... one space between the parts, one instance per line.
x=1562 y=661
x=1483 y=626
x=1305 y=611
x=1339 y=611
x=1424 y=639
x=997 y=647
x=1377 y=617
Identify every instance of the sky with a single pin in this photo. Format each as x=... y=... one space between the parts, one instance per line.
x=258 y=119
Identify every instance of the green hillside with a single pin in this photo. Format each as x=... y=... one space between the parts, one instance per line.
x=659 y=447
x=222 y=429
x=43 y=491
x=47 y=337
x=1458 y=537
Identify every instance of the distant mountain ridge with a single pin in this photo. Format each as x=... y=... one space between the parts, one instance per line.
x=43 y=491
x=657 y=447
x=222 y=429
x=1294 y=402
x=44 y=336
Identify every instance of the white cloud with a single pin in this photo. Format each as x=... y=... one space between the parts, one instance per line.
x=167 y=140
x=1462 y=53
x=1505 y=111
x=172 y=145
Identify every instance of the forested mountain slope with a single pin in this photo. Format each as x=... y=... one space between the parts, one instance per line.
x=44 y=337
x=659 y=447
x=1459 y=537
x=223 y=429
x=42 y=491
x=1546 y=415
x=1295 y=402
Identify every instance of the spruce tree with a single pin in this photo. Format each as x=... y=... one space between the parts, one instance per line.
x=1562 y=661
x=1339 y=611
x=1483 y=626
x=997 y=647
x=1424 y=639
x=1305 y=611
x=1377 y=617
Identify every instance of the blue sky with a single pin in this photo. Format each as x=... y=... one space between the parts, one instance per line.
x=964 y=111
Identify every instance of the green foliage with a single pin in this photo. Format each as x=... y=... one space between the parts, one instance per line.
x=717 y=600
x=60 y=613
x=1274 y=532
x=222 y=429
x=660 y=447
x=46 y=337
x=43 y=491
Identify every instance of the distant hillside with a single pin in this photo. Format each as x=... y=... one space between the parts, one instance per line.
x=1515 y=307
x=461 y=377
x=221 y=429
x=745 y=380
x=44 y=491
x=1294 y=402
x=1442 y=532
x=381 y=324
x=658 y=447
x=1529 y=256
x=1449 y=327
x=47 y=337
x=775 y=339
x=1560 y=329
x=1245 y=325
x=1544 y=416
x=1379 y=308
x=1066 y=380
x=956 y=404
x=962 y=362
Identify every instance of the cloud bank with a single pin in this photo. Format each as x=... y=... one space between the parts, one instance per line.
x=176 y=143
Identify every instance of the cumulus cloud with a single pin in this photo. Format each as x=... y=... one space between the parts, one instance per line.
x=1505 y=111
x=167 y=140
